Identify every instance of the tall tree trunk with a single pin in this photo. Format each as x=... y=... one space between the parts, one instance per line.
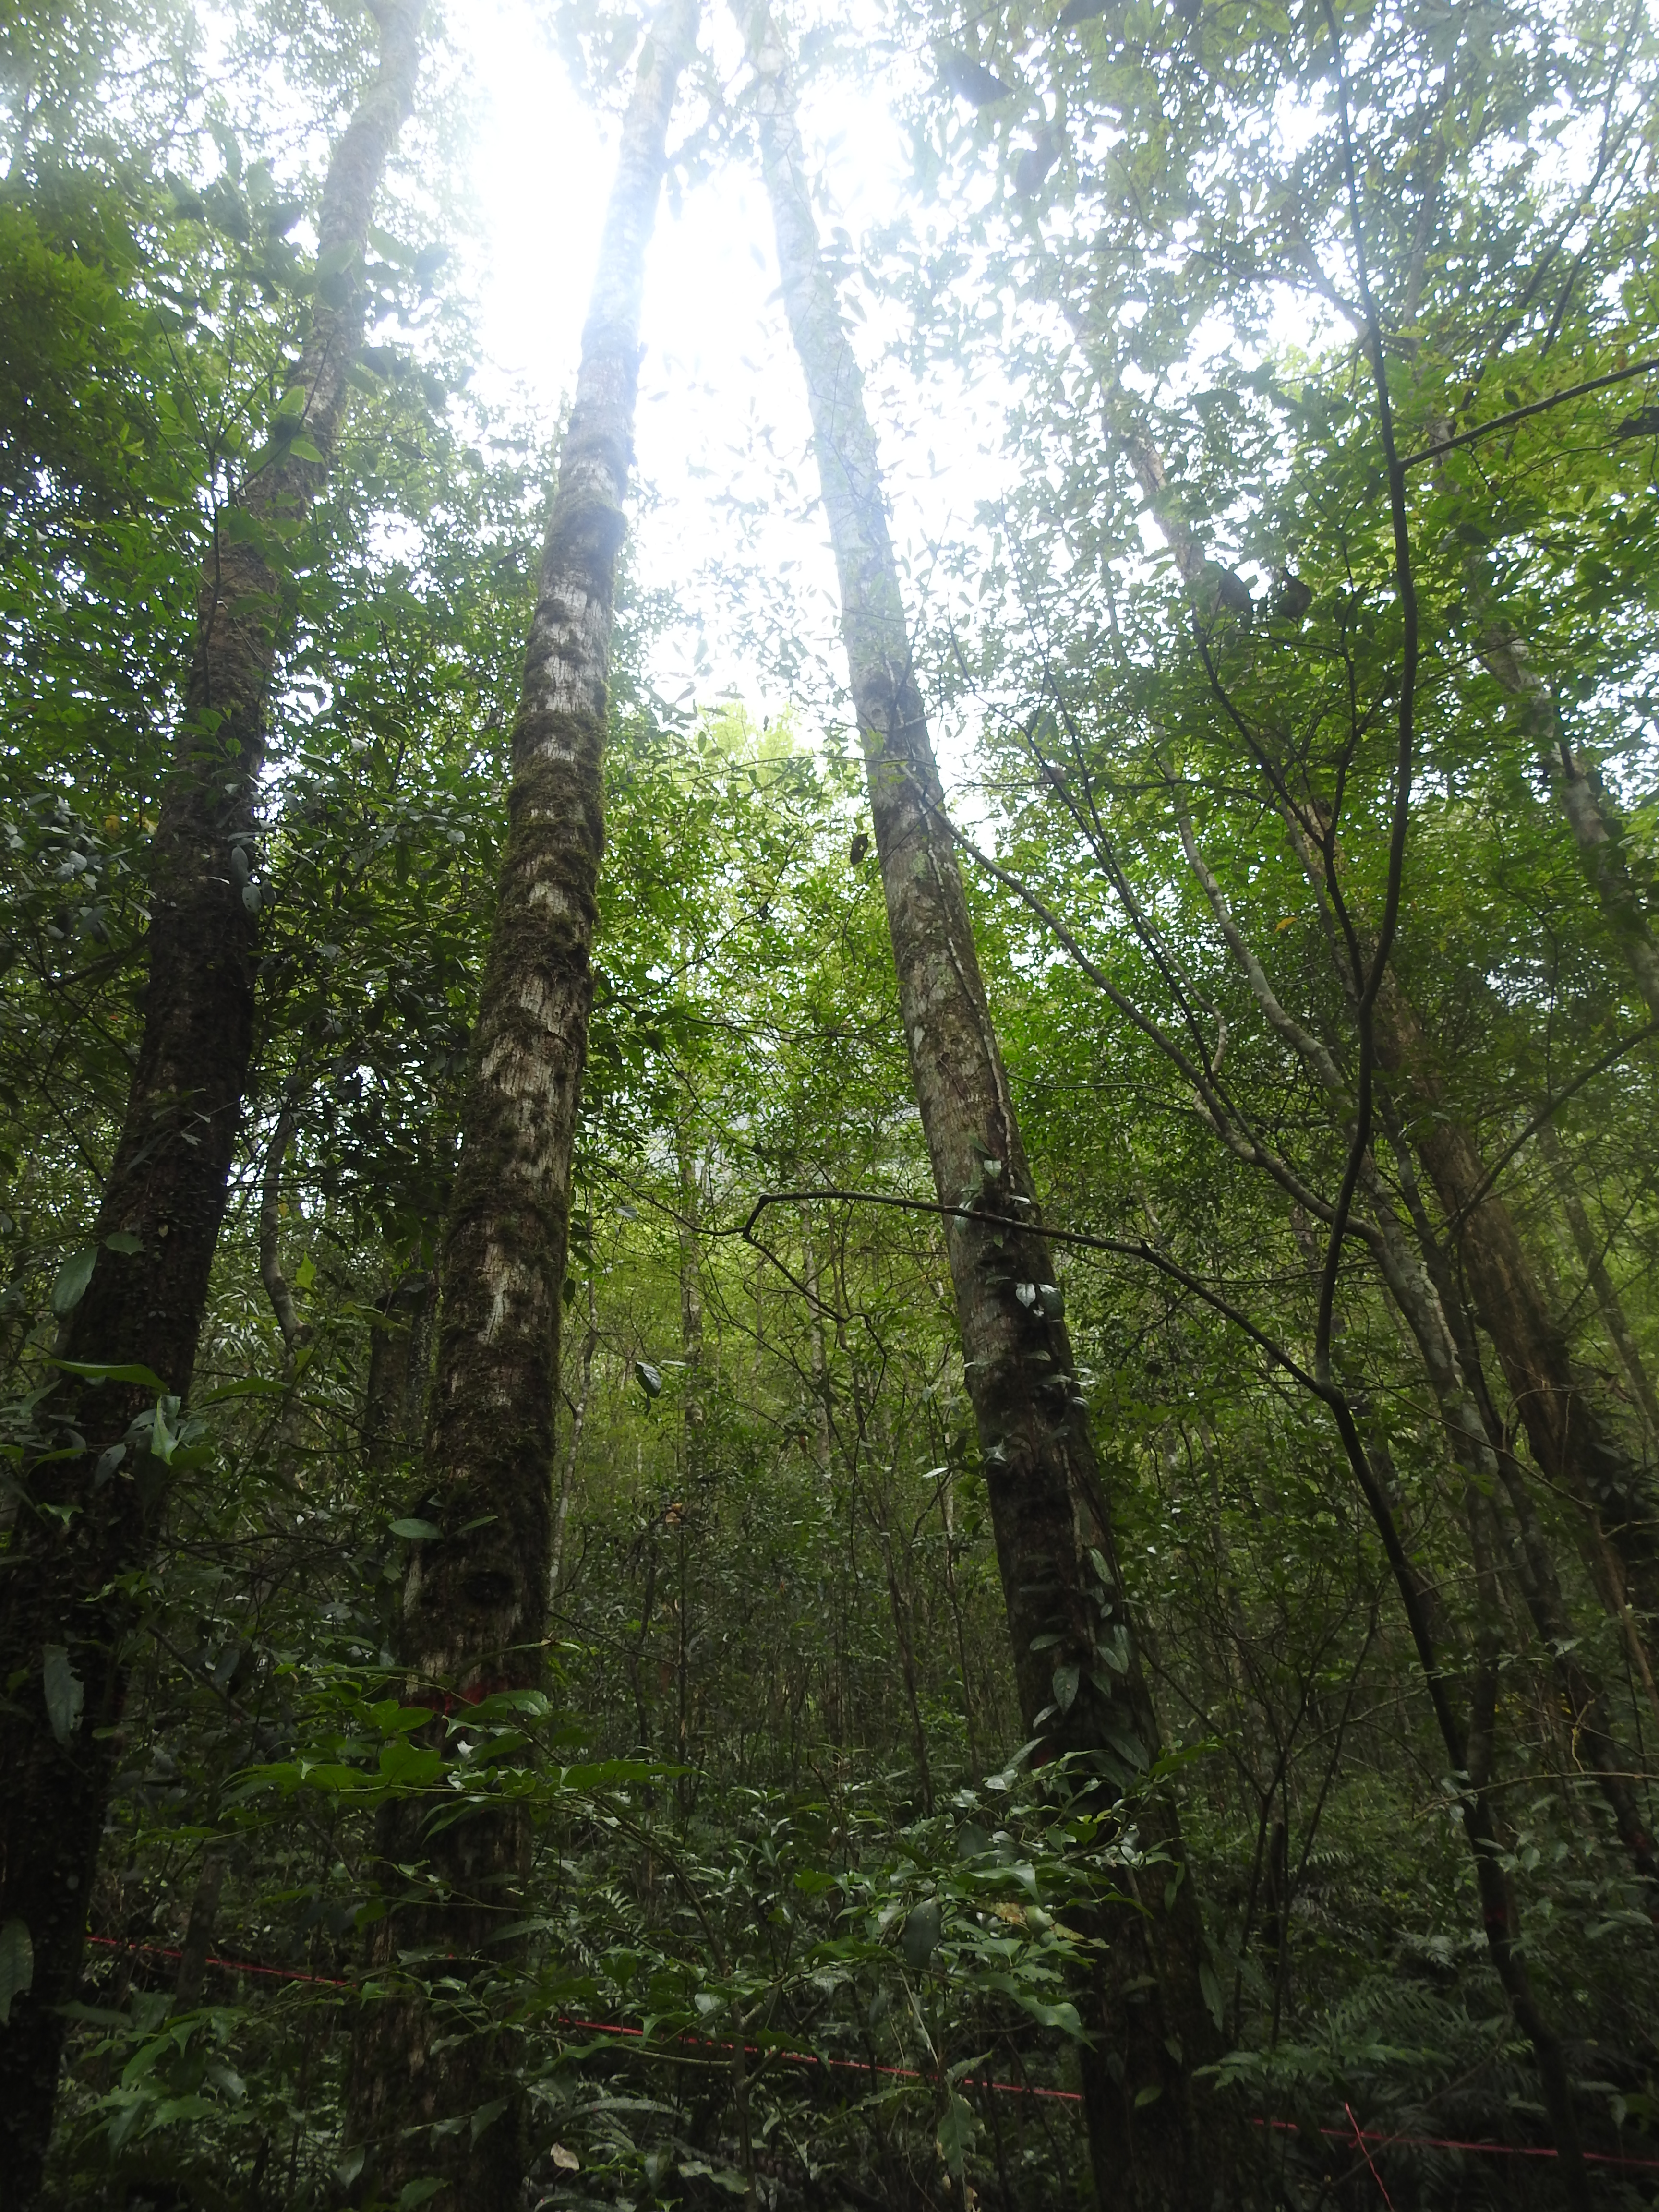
x=82 y=1529
x=427 y=2075
x=1158 y=2136
x=695 y=1411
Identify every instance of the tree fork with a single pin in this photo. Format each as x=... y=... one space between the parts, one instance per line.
x=476 y=1602
x=1158 y=2137
x=75 y=1535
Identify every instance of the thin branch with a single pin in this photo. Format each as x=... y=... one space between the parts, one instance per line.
x=1533 y=407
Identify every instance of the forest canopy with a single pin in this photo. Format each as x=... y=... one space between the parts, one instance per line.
x=883 y=1431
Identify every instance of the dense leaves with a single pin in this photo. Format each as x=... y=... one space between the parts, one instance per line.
x=1250 y=686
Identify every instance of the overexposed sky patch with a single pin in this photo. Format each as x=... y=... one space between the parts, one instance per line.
x=723 y=464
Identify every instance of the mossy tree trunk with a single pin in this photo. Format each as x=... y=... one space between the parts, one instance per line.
x=432 y=2089
x=85 y=1524
x=1158 y=2137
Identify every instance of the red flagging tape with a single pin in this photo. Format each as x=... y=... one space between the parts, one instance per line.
x=1355 y=2137
x=230 y=1966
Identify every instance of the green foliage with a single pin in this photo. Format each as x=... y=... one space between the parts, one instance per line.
x=796 y=1909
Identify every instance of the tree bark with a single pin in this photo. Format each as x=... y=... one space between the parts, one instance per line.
x=78 y=1534
x=1158 y=2136
x=399 y=1358
x=433 y=2090
x=198 y=1930
x=296 y=1332
x=571 y=1451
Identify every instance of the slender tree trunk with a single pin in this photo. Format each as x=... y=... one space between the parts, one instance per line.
x=694 y=1447
x=816 y=1349
x=567 y=1479
x=1418 y=1299
x=433 y=2090
x=1446 y=1337
x=1488 y=1844
x=1568 y=1438
x=399 y=1357
x=1158 y=2136
x=80 y=1533
x=296 y=1332
x=898 y=1606
x=695 y=1414
x=198 y=1931
x=1591 y=1257
x=1592 y=1743
x=1592 y=816
x=1470 y=1750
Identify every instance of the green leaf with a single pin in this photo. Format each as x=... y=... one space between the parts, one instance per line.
x=390 y=248
x=163 y=1440
x=92 y=1371
x=255 y=1386
x=305 y=449
x=335 y=262
x=922 y=1929
x=416 y=1532
x=1066 y=1680
x=65 y=1694
x=486 y=2114
x=407 y=1766
x=417 y=2192
x=956 y=2133
x=16 y=1966
x=1063 y=2016
x=70 y=1284
x=124 y=1240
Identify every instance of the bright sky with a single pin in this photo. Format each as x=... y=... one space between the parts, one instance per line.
x=722 y=411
